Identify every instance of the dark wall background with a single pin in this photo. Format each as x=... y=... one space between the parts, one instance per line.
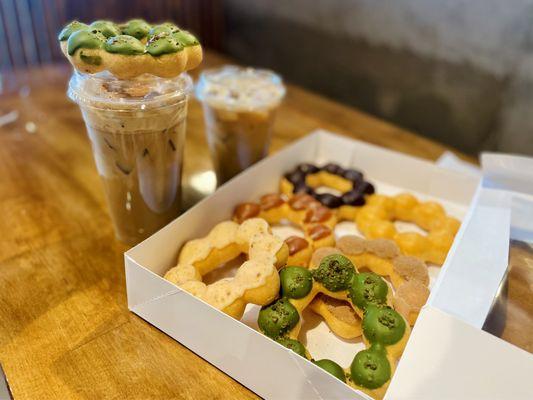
x=457 y=71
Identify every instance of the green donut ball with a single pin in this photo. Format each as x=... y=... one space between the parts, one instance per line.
x=335 y=272
x=124 y=44
x=85 y=39
x=296 y=282
x=185 y=38
x=107 y=28
x=163 y=44
x=72 y=27
x=333 y=368
x=370 y=368
x=137 y=28
x=166 y=27
x=368 y=288
x=278 y=318
x=293 y=344
x=383 y=325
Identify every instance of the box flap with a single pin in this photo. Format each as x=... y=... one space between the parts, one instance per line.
x=476 y=265
x=475 y=364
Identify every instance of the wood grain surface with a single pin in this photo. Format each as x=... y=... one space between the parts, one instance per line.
x=65 y=330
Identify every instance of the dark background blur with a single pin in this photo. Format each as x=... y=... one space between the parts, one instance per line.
x=457 y=71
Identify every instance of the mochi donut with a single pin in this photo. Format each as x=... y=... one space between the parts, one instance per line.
x=376 y=220
x=385 y=331
x=130 y=49
x=350 y=183
x=256 y=280
x=315 y=220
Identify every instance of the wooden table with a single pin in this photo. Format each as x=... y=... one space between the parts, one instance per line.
x=65 y=330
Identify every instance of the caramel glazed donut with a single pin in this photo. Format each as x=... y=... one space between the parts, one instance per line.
x=385 y=331
x=130 y=49
x=375 y=214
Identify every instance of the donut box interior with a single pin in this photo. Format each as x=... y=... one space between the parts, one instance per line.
x=447 y=356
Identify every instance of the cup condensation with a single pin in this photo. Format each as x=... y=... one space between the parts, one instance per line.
x=137 y=132
x=239 y=106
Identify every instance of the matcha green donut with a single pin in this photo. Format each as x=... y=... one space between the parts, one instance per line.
x=137 y=28
x=332 y=367
x=383 y=325
x=370 y=368
x=278 y=318
x=84 y=39
x=107 y=28
x=296 y=282
x=163 y=44
x=124 y=44
x=292 y=344
x=166 y=27
x=72 y=27
x=185 y=38
x=368 y=288
x=335 y=272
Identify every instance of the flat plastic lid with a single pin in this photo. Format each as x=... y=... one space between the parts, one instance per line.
x=105 y=91
x=237 y=88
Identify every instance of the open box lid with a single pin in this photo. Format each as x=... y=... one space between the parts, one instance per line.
x=449 y=359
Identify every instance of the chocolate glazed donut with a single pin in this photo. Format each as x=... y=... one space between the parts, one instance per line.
x=354 y=197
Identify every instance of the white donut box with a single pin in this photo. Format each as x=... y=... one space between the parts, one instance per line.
x=448 y=356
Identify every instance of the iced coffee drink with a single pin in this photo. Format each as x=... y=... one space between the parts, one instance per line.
x=137 y=131
x=239 y=108
x=131 y=85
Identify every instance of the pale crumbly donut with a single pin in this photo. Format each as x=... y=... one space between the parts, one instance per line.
x=376 y=220
x=409 y=299
x=315 y=220
x=130 y=49
x=256 y=280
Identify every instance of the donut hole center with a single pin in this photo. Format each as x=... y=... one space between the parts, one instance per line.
x=325 y=182
x=321 y=343
x=225 y=271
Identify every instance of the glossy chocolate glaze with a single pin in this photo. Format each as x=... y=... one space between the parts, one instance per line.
x=354 y=197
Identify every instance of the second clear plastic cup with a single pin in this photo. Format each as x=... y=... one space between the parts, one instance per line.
x=239 y=106
x=137 y=132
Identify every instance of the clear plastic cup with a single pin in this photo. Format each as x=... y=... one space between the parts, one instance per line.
x=137 y=132
x=239 y=106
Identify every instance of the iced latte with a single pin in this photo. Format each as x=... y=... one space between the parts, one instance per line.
x=137 y=131
x=239 y=109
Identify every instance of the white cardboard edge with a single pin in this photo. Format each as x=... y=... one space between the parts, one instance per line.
x=475 y=268
x=233 y=347
x=172 y=310
x=447 y=358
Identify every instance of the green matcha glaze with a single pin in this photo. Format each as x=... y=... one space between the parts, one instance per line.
x=86 y=40
x=278 y=318
x=90 y=59
x=335 y=272
x=293 y=345
x=107 y=28
x=166 y=27
x=185 y=38
x=296 y=282
x=163 y=44
x=137 y=28
x=332 y=367
x=124 y=44
x=383 y=325
x=72 y=27
x=368 y=288
x=370 y=368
